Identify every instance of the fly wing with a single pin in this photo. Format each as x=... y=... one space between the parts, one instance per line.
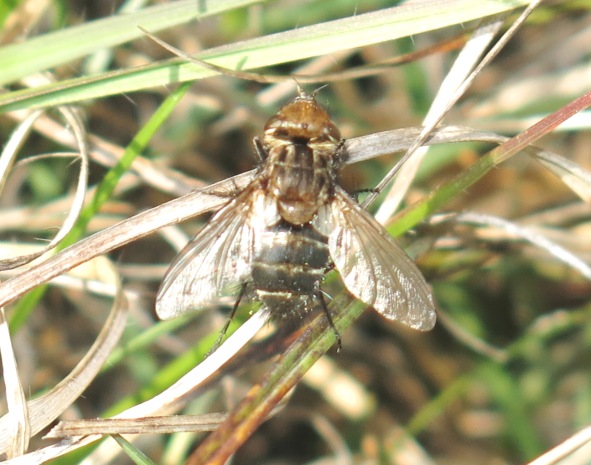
x=374 y=268
x=214 y=263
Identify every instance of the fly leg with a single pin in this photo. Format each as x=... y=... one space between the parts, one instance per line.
x=230 y=317
x=320 y=296
x=229 y=194
x=370 y=190
x=260 y=150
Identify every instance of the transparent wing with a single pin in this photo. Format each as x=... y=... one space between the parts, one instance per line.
x=215 y=263
x=374 y=268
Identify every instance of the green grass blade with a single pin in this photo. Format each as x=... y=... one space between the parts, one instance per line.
x=133 y=452
x=306 y=42
x=49 y=50
x=103 y=193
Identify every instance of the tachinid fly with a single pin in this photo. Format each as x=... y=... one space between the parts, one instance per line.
x=277 y=239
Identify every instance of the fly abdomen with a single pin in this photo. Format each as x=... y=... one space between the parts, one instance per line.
x=289 y=264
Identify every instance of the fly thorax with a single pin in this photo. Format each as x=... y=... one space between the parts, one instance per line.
x=301 y=142
x=300 y=180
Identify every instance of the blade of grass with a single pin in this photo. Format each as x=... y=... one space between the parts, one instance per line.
x=564 y=449
x=511 y=400
x=448 y=92
x=432 y=203
x=306 y=42
x=49 y=50
x=265 y=396
x=18 y=411
x=437 y=406
x=539 y=334
x=103 y=193
x=76 y=126
x=452 y=89
x=164 y=403
x=133 y=452
x=48 y=406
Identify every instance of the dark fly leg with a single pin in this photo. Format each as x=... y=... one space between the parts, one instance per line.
x=320 y=296
x=224 y=330
x=259 y=149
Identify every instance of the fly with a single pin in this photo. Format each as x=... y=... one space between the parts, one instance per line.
x=278 y=238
